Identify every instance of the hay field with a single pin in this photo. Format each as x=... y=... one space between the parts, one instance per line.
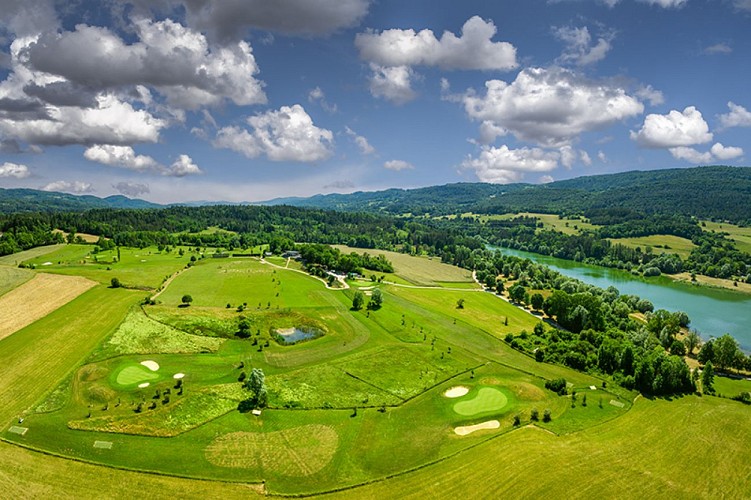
x=421 y=271
x=37 y=298
x=11 y=277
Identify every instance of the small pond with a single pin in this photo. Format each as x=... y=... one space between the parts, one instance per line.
x=289 y=336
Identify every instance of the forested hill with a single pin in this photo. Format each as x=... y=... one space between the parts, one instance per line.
x=32 y=200
x=435 y=200
x=706 y=192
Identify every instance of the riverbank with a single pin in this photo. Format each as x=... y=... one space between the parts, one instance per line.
x=713 y=310
x=736 y=286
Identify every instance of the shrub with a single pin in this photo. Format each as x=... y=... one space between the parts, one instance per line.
x=534 y=415
x=557 y=385
x=546 y=417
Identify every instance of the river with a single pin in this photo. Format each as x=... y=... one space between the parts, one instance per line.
x=713 y=311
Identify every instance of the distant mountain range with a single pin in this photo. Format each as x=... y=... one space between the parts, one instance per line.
x=708 y=192
x=717 y=192
x=32 y=200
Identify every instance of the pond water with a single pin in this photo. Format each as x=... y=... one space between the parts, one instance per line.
x=713 y=311
x=290 y=336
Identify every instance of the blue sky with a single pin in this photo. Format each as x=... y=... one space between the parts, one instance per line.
x=246 y=100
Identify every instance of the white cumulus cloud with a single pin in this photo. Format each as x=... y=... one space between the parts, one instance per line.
x=552 y=106
x=284 y=135
x=112 y=121
x=362 y=142
x=675 y=129
x=398 y=165
x=120 y=156
x=737 y=117
x=580 y=48
x=170 y=57
x=503 y=165
x=16 y=170
x=125 y=157
x=725 y=152
x=78 y=187
x=667 y=4
x=392 y=83
x=473 y=49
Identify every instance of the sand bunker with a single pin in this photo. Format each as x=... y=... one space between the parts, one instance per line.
x=47 y=264
x=178 y=375
x=151 y=365
x=469 y=429
x=143 y=385
x=456 y=392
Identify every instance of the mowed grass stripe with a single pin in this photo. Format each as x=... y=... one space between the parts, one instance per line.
x=36 y=358
x=16 y=258
x=11 y=277
x=28 y=474
x=37 y=298
x=631 y=457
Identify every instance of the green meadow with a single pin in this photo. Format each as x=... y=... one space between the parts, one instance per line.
x=361 y=408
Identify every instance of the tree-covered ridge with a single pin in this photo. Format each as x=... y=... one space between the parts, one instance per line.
x=714 y=192
x=32 y=200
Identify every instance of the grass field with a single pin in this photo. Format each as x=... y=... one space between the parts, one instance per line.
x=741 y=235
x=363 y=403
x=11 y=277
x=549 y=221
x=422 y=271
x=660 y=243
x=16 y=258
x=136 y=268
x=36 y=298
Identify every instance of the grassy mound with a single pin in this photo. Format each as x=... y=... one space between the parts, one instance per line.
x=139 y=334
x=300 y=451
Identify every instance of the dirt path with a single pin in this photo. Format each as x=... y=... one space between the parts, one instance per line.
x=168 y=281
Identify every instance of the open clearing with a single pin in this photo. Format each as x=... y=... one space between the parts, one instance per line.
x=422 y=271
x=659 y=243
x=37 y=298
x=741 y=235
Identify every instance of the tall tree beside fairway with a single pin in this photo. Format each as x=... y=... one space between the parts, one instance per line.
x=707 y=378
x=537 y=300
x=256 y=385
x=707 y=353
x=692 y=341
x=187 y=299
x=376 y=299
x=358 y=301
x=115 y=283
x=725 y=350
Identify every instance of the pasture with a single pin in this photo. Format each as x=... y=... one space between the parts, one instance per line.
x=364 y=403
x=36 y=298
x=740 y=235
x=659 y=244
x=419 y=271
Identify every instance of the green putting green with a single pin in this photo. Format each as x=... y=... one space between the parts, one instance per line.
x=487 y=399
x=135 y=374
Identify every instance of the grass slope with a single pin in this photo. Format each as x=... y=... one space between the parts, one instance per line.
x=422 y=271
x=632 y=457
